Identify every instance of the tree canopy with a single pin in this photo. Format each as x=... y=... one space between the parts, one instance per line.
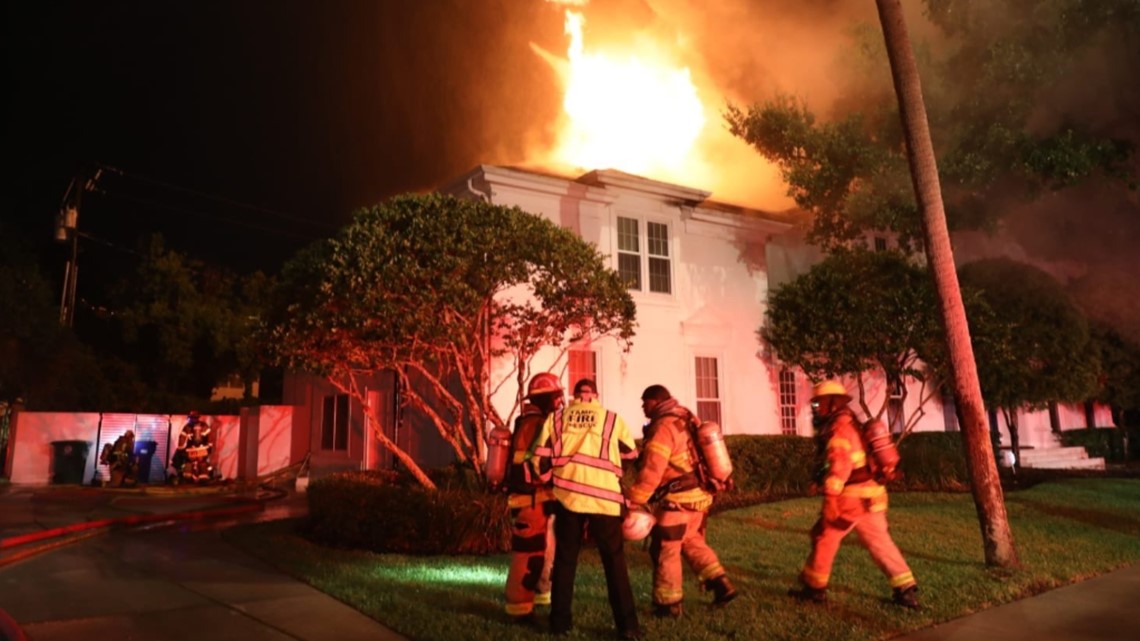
x=1000 y=133
x=1045 y=354
x=456 y=296
x=854 y=313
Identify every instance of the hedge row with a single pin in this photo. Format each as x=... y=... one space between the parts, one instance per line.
x=1118 y=444
x=387 y=512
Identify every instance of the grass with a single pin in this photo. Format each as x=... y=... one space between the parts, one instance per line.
x=1064 y=531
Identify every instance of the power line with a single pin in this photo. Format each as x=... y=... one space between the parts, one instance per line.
x=215 y=197
x=192 y=212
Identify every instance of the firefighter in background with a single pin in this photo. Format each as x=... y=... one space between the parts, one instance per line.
x=192 y=458
x=120 y=458
x=531 y=502
x=582 y=448
x=853 y=499
x=667 y=477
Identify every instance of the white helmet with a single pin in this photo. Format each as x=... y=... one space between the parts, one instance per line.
x=637 y=525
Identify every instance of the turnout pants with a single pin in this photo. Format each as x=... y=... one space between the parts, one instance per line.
x=680 y=534
x=532 y=555
x=868 y=517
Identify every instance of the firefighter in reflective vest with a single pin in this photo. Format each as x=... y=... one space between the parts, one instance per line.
x=667 y=477
x=852 y=500
x=582 y=448
x=531 y=503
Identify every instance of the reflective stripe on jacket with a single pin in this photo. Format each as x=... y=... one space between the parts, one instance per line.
x=847 y=460
x=585 y=444
x=667 y=457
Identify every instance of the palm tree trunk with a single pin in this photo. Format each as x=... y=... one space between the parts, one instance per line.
x=997 y=539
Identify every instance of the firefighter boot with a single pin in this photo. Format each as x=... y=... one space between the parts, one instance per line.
x=672 y=610
x=810 y=594
x=722 y=589
x=907 y=597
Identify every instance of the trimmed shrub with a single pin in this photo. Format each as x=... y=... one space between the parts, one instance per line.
x=1118 y=444
x=772 y=465
x=932 y=461
x=385 y=512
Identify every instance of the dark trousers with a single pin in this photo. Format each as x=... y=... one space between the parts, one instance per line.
x=605 y=531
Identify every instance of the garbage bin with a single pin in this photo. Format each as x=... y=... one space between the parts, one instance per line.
x=144 y=452
x=69 y=458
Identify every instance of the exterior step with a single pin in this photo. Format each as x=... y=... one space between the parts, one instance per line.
x=1053 y=453
x=1061 y=458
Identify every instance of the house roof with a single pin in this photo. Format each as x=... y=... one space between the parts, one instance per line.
x=598 y=185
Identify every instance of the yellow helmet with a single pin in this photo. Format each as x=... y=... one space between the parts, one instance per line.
x=829 y=388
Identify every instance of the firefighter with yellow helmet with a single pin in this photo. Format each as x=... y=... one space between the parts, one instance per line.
x=531 y=503
x=853 y=499
x=668 y=477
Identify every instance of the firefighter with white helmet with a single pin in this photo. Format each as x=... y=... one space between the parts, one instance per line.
x=853 y=499
x=667 y=475
x=531 y=503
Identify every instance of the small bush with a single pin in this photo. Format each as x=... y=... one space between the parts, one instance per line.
x=1118 y=444
x=385 y=512
x=932 y=461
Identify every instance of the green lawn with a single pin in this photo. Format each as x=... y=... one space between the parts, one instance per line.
x=1065 y=531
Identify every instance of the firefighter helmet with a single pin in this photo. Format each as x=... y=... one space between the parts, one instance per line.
x=637 y=524
x=829 y=388
x=544 y=383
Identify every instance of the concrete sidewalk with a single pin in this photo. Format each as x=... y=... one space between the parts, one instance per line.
x=167 y=577
x=1103 y=608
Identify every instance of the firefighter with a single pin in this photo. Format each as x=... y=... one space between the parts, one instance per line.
x=582 y=448
x=531 y=502
x=122 y=461
x=191 y=459
x=667 y=477
x=852 y=500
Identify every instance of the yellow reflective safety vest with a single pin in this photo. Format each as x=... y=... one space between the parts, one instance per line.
x=581 y=447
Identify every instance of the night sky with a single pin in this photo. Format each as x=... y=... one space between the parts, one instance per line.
x=245 y=129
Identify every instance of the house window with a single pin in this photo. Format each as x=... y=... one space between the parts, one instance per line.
x=581 y=363
x=334 y=423
x=896 y=417
x=708 y=389
x=788 y=401
x=636 y=258
x=949 y=414
x=880 y=244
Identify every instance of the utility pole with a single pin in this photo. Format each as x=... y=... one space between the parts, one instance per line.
x=66 y=229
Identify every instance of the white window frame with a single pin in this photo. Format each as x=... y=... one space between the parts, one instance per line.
x=645 y=257
x=787 y=387
x=703 y=399
x=574 y=374
x=339 y=434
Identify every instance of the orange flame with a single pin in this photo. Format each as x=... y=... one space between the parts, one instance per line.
x=630 y=114
x=634 y=110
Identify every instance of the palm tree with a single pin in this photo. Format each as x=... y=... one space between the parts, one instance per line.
x=997 y=539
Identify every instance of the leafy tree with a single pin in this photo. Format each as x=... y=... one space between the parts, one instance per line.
x=41 y=362
x=455 y=296
x=984 y=96
x=1119 y=379
x=855 y=312
x=186 y=325
x=1038 y=348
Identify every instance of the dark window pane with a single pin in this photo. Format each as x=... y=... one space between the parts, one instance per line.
x=659 y=280
x=341 y=422
x=629 y=268
x=328 y=422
